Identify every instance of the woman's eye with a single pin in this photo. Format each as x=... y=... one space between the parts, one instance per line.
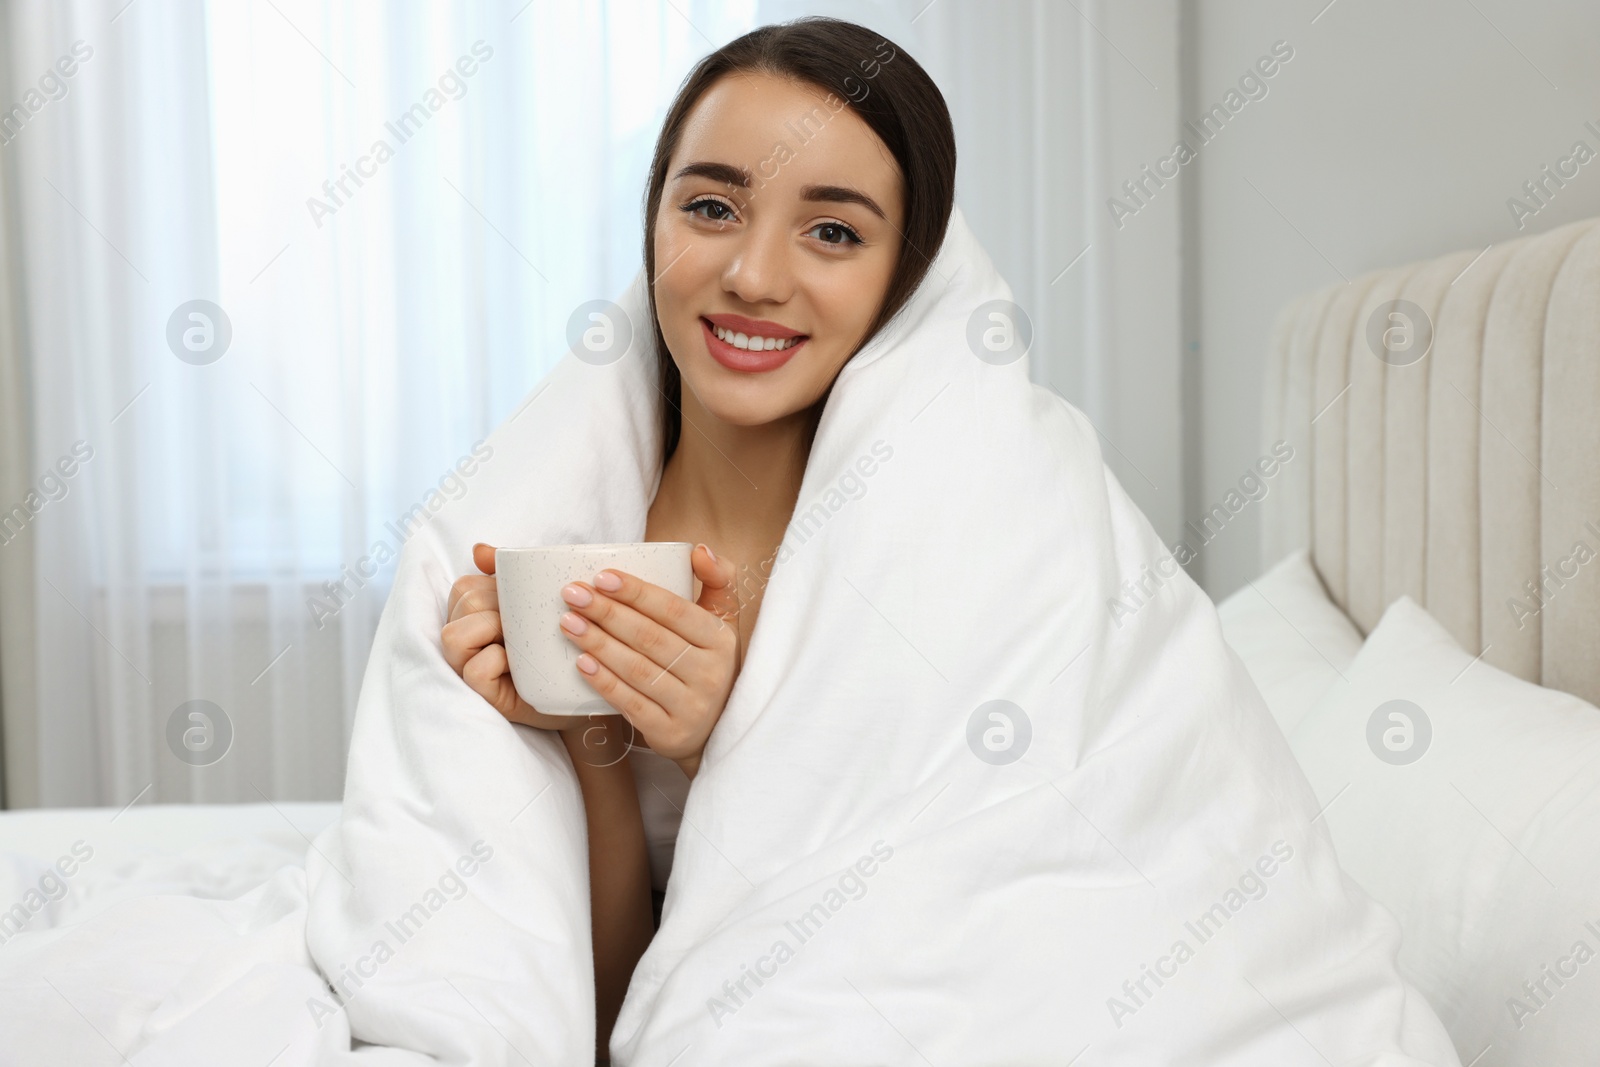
x=835 y=233
x=714 y=210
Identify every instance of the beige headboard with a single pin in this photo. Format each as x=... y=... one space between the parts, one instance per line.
x=1467 y=478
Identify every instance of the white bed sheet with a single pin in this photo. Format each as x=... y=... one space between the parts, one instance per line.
x=118 y=926
x=54 y=863
x=157 y=829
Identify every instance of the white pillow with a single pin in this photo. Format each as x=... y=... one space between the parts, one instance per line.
x=1486 y=847
x=1293 y=640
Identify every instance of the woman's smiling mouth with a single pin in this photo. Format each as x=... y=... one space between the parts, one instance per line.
x=749 y=345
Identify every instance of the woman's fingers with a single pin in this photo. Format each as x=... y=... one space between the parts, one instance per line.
x=666 y=608
x=719 y=595
x=465 y=637
x=472 y=592
x=479 y=590
x=641 y=673
x=646 y=716
x=643 y=634
x=488 y=674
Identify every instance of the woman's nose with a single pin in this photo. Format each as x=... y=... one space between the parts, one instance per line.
x=760 y=271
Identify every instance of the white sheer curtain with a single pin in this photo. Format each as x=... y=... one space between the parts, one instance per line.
x=228 y=537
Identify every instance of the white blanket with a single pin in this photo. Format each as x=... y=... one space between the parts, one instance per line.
x=861 y=876
x=110 y=949
x=852 y=883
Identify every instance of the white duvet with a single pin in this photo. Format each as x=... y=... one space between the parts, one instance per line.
x=960 y=809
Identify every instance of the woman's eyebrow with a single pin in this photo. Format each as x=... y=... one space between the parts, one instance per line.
x=726 y=173
x=838 y=194
x=739 y=178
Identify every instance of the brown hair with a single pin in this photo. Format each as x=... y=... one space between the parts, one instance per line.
x=890 y=92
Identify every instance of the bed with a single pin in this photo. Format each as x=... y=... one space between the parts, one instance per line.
x=53 y=862
x=1427 y=630
x=1450 y=735
x=139 y=832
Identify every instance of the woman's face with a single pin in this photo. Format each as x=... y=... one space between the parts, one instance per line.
x=775 y=239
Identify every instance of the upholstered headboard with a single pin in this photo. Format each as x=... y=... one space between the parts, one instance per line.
x=1464 y=473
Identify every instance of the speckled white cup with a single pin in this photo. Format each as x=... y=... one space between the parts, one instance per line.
x=544 y=663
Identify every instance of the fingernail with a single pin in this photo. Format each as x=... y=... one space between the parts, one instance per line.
x=710 y=553
x=587 y=664
x=608 y=580
x=573 y=623
x=577 y=596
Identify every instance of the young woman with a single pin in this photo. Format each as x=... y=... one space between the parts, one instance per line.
x=803 y=178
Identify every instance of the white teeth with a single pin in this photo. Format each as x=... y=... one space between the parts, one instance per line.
x=753 y=343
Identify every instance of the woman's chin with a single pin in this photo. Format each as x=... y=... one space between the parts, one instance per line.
x=739 y=412
x=749 y=402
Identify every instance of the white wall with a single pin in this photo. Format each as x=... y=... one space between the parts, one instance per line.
x=1396 y=133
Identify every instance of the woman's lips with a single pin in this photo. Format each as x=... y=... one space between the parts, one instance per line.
x=753 y=327
x=751 y=362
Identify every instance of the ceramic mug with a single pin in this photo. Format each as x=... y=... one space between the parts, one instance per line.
x=544 y=661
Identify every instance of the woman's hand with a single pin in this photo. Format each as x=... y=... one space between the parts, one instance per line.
x=475 y=648
x=666 y=663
